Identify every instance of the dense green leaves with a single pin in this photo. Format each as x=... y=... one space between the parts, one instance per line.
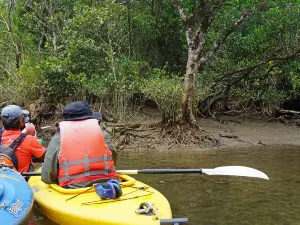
x=64 y=49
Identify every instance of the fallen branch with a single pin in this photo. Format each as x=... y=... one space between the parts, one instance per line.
x=281 y=112
x=125 y=125
x=229 y=136
x=141 y=136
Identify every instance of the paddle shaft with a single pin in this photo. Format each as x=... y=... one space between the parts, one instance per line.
x=223 y=170
x=143 y=171
x=159 y=171
x=31 y=174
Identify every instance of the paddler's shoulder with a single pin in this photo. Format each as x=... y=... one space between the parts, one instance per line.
x=55 y=137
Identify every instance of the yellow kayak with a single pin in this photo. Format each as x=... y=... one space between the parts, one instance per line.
x=140 y=204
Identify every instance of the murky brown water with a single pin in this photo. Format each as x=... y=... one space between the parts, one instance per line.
x=212 y=200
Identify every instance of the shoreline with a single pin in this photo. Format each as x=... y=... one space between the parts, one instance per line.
x=231 y=131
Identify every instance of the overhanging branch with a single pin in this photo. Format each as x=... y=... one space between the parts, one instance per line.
x=222 y=39
x=241 y=70
x=183 y=15
x=264 y=62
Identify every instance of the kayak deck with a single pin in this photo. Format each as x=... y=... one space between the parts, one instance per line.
x=84 y=206
x=16 y=198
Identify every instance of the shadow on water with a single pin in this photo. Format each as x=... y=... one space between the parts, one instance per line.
x=212 y=200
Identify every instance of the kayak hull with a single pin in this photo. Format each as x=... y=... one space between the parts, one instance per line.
x=84 y=206
x=16 y=198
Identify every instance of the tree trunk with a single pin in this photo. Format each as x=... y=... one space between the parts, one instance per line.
x=8 y=23
x=188 y=98
x=42 y=43
x=195 y=40
x=129 y=29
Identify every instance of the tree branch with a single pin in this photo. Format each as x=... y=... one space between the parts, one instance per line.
x=183 y=15
x=6 y=70
x=222 y=39
x=286 y=57
x=241 y=70
x=252 y=67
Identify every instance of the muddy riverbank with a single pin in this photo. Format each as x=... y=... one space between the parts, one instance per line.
x=229 y=131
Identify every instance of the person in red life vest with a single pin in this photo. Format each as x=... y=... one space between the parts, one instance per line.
x=13 y=120
x=77 y=154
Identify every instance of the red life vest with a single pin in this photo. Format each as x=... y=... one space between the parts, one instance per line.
x=84 y=155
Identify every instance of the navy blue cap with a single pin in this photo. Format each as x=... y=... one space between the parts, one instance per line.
x=97 y=115
x=12 y=112
x=77 y=111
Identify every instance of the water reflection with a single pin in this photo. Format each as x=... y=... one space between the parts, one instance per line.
x=222 y=200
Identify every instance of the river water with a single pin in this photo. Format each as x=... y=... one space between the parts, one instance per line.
x=214 y=200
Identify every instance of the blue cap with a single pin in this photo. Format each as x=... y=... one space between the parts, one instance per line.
x=97 y=115
x=12 y=112
x=77 y=111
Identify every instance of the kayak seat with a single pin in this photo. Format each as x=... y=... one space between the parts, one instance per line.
x=103 y=180
x=126 y=181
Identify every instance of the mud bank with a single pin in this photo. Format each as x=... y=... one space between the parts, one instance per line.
x=230 y=131
x=251 y=132
x=233 y=132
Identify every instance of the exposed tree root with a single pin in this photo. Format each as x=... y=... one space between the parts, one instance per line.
x=189 y=134
x=41 y=110
x=151 y=137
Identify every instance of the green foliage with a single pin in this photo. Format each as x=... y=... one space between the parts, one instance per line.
x=100 y=86
x=112 y=51
x=261 y=37
x=166 y=92
x=274 y=96
x=56 y=81
x=27 y=77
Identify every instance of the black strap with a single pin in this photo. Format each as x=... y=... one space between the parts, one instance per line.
x=1 y=132
x=18 y=141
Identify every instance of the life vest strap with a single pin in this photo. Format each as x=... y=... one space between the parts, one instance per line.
x=87 y=172
x=85 y=161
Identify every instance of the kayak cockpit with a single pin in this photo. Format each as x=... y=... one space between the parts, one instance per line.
x=125 y=181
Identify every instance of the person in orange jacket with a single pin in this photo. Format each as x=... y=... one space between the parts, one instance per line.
x=78 y=154
x=13 y=119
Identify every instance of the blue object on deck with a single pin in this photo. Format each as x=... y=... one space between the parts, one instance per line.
x=110 y=189
x=105 y=190
x=16 y=198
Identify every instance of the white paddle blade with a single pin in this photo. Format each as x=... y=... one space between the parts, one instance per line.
x=236 y=171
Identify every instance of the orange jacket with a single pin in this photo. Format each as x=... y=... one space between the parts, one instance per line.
x=83 y=155
x=29 y=147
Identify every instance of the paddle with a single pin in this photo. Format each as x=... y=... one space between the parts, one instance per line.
x=224 y=170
